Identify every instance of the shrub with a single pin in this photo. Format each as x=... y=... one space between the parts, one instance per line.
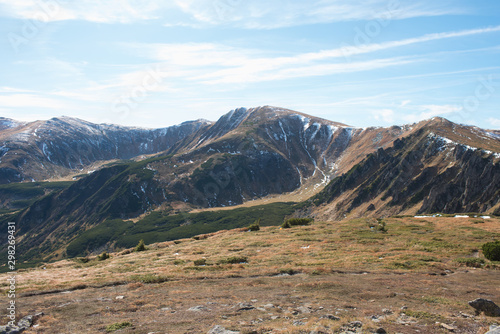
x=103 y=256
x=233 y=260
x=117 y=326
x=471 y=262
x=82 y=259
x=491 y=250
x=255 y=226
x=140 y=246
x=200 y=262
x=296 y=222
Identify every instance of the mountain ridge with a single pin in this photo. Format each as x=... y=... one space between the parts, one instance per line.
x=267 y=151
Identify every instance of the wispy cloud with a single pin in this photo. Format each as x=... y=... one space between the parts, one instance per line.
x=257 y=14
x=30 y=100
x=429 y=111
x=494 y=121
x=109 y=11
x=260 y=14
x=213 y=63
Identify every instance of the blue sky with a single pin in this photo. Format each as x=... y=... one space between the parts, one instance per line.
x=158 y=63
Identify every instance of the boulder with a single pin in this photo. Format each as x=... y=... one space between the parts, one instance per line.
x=485 y=305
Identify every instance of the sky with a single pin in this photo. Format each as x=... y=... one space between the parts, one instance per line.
x=158 y=63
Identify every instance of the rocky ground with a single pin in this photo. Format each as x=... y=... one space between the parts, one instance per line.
x=365 y=302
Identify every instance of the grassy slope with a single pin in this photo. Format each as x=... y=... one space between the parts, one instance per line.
x=413 y=264
x=410 y=244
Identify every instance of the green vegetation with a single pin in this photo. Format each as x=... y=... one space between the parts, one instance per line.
x=255 y=226
x=149 y=278
x=160 y=226
x=491 y=250
x=200 y=262
x=233 y=260
x=471 y=262
x=103 y=256
x=140 y=246
x=117 y=326
x=297 y=222
x=21 y=195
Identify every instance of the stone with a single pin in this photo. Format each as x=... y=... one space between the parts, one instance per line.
x=448 y=327
x=25 y=322
x=221 y=330
x=330 y=317
x=485 y=305
x=494 y=329
x=357 y=324
x=245 y=307
x=303 y=309
x=198 y=308
x=381 y=331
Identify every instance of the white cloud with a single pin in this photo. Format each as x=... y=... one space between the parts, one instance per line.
x=108 y=11
x=386 y=115
x=258 y=14
x=30 y=100
x=431 y=110
x=494 y=121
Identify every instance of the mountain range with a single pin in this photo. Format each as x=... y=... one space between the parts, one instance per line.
x=75 y=188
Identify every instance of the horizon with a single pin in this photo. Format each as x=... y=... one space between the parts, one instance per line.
x=154 y=65
x=214 y=121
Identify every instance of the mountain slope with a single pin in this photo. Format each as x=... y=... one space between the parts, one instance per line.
x=251 y=154
x=426 y=172
x=63 y=146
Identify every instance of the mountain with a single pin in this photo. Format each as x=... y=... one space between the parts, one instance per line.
x=247 y=154
x=63 y=146
x=440 y=167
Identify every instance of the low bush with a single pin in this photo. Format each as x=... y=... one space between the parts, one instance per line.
x=117 y=326
x=255 y=226
x=473 y=262
x=234 y=260
x=297 y=222
x=491 y=250
x=103 y=256
x=140 y=246
x=200 y=262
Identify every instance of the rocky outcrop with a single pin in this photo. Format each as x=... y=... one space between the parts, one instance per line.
x=22 y=325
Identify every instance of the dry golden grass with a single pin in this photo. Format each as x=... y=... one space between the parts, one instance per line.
x=334 y=265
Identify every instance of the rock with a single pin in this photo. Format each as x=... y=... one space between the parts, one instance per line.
x=387 y=311
x=120 y=297
x=381 y=331
x=356 y=324
x=269 y=306
x=245 y=307
x=494 y=329
x=448 y=327
x=303 y=309
x=485 y=305
x=330 y=317
x=198 y=308
x=221 y=330
x=25 y=322
x=11 y=330
x=298 y=323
